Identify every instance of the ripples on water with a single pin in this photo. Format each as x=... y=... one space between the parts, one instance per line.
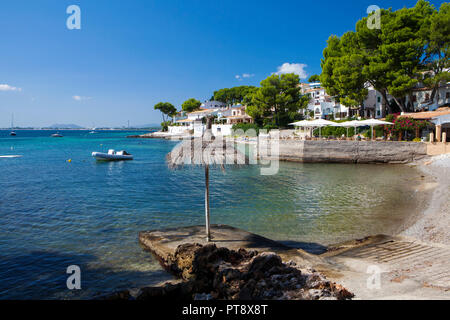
x=54 y=213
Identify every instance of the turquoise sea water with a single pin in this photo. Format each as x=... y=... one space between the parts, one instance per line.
x=54 y=213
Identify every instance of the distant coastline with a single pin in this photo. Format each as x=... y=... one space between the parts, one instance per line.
x=82 y=129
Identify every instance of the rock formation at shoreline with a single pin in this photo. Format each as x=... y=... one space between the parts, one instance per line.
x=209 y=272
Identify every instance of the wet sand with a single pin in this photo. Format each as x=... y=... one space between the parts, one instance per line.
x=413 y=265
x=433 y=224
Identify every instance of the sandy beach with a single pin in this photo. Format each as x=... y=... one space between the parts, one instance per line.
x=414 y=264
x=433 y=224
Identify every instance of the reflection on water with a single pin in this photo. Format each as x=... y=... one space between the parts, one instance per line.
x=54 y=213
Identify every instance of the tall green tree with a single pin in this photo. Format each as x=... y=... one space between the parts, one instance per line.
x=167 y=110
x=437 y=51
x=191 y=105
x=390 y=58
x=233 y=95
x=341 y=70
x=314 y=78
x=278 y=99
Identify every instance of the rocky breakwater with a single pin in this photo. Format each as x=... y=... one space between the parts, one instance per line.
x=161 y=135
x=209 y=272
x=335 y=151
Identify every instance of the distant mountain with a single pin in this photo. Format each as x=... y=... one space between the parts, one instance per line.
x=64 y=126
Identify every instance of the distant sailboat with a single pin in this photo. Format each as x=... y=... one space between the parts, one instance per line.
x=12 y=133
x=93 y=129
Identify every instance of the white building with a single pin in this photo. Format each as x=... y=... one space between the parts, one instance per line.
x=323 y=105
x=226 y=117
x=421 y=98
x=373 y=105
x=213 y=105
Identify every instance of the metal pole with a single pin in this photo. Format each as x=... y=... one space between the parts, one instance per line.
x=208 y=231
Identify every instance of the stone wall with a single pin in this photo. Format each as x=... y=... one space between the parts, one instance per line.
x=351 y=151
x=434 y=149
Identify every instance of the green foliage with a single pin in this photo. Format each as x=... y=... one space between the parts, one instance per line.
x=391 y=58
x=405 y=124
x=270 y=127
x=278 y=99
x=245 y=127
x=341 y=70
x=165 y=126
x=167 y=109
x=191 y=105
x=437 y=51
x=390 y=118
x=233 y=95
x=314 y=78
x=335 y=132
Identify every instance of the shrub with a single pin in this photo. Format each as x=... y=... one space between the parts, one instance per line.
x=269 y=127
x=245 y=127
x=165 y=126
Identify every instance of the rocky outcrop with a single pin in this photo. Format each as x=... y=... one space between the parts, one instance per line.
x=209 y=272
x=350 y=151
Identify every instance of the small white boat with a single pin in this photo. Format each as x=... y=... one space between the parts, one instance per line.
x=57 y=135
x=112 y=155
x=12 y=133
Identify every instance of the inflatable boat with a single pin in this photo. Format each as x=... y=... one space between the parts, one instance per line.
x=112 y=155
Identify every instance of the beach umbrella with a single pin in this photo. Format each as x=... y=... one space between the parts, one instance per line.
x=349 y=124
x=354 y=123
x=374 y=122
x=207 y=151
x=303 y=123
x=320 y=123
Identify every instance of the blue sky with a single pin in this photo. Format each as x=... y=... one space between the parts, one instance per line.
x=129 y=55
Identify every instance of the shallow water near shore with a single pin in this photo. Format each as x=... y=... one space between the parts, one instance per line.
x=55 y=213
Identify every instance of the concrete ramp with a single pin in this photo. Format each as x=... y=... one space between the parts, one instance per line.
x=410 y=269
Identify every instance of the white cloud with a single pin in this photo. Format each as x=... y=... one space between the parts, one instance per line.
x=240 y=77
x=297 y=68
x=7 y=87
x=80 y=98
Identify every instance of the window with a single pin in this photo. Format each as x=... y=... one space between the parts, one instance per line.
x=379 y=99
x=414 y=98
x=447 y=95
x=427 y=97
x=317 y=110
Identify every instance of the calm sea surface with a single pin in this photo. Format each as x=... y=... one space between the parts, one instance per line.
x=54 y=213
